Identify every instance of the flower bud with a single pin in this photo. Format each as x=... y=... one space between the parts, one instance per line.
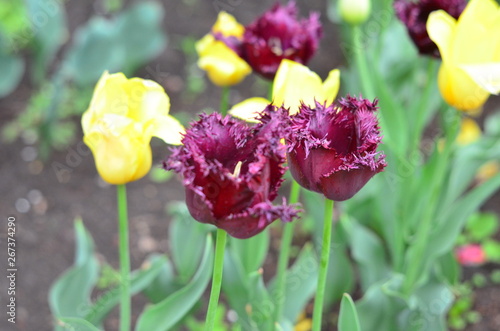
x=354 y=11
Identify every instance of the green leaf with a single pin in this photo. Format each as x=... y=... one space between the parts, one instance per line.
x=159 y=175
x=340 y=277
x=165 y=314
x=139 y=279
x=448 y=269
x=300 y=283
x=492 y=250
x=392 y=119
x=184 y=229
x=142 y=19
x=69 y=296
x=445 y=235
x=379 y=311
x=481 y=226
x=368 y=251
x=164 y=284
x=49 y=29
x=12 y=69
x=246 y=294
x=75 y=324
x=252 y=251
x=95 y=49
x=236 y=286
x=430 y=304
x=348 y=316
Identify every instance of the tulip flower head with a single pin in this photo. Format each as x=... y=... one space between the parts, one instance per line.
x=294 y=84
x=415 y=14
x=278 y=35
x=118 y=125
x=232 y=173
x=470 y=50
x=333 y=149
x=223 y=65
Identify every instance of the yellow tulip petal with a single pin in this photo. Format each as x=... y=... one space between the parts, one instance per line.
x=109 y=96
x=486 y=75
x=440 y=27
x=250 y=109
x=459 y=90
x=203 y=45
x=469 y=132
x=331 y=85
x=169 y=129
x=120 y=159
x=295 y=83
x=228 y=25
x=223 y=66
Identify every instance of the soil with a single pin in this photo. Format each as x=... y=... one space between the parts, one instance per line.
x=45 y=202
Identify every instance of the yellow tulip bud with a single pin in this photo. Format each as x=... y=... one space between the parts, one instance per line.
x=118 y=125
x=354 y=11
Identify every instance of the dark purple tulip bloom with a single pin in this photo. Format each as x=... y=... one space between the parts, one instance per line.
x=278 y=34
x=232 y=172
x=414 y=15
x=333 y=149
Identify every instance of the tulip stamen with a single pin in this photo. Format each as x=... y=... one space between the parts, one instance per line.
x=237 y=170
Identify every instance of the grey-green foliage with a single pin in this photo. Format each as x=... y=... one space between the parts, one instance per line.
x=121 y=43
x=11 y=67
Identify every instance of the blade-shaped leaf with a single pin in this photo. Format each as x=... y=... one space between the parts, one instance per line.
x=300 y=283
x=165 y=314
x=164 y=284
x=139 y=279
x=69 y=296
x=348 y=316
x=75 y=324
x=184 y=229
x=252 y=251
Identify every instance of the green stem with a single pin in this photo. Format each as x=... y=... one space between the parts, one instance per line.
x=125 y=310
x=220 y=245
x=323 y=268
x=286 y=243
x=362 y=64
x=224 y=100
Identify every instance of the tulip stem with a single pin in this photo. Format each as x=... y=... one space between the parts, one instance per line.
x=286 y=243
x=362 y=63
x=323 y=268
x=124 y=258
x=224 y=100
x=220 y=245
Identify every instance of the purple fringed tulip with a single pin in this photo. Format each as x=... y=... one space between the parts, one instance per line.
x=232 y=172
x=333 y=149
x=414 y=15
x=278 y=35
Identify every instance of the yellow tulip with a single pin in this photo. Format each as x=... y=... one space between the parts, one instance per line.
x=470 y=50
x=294 y=83
x=223 y=66
x=118 y=125
x=469 y=132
